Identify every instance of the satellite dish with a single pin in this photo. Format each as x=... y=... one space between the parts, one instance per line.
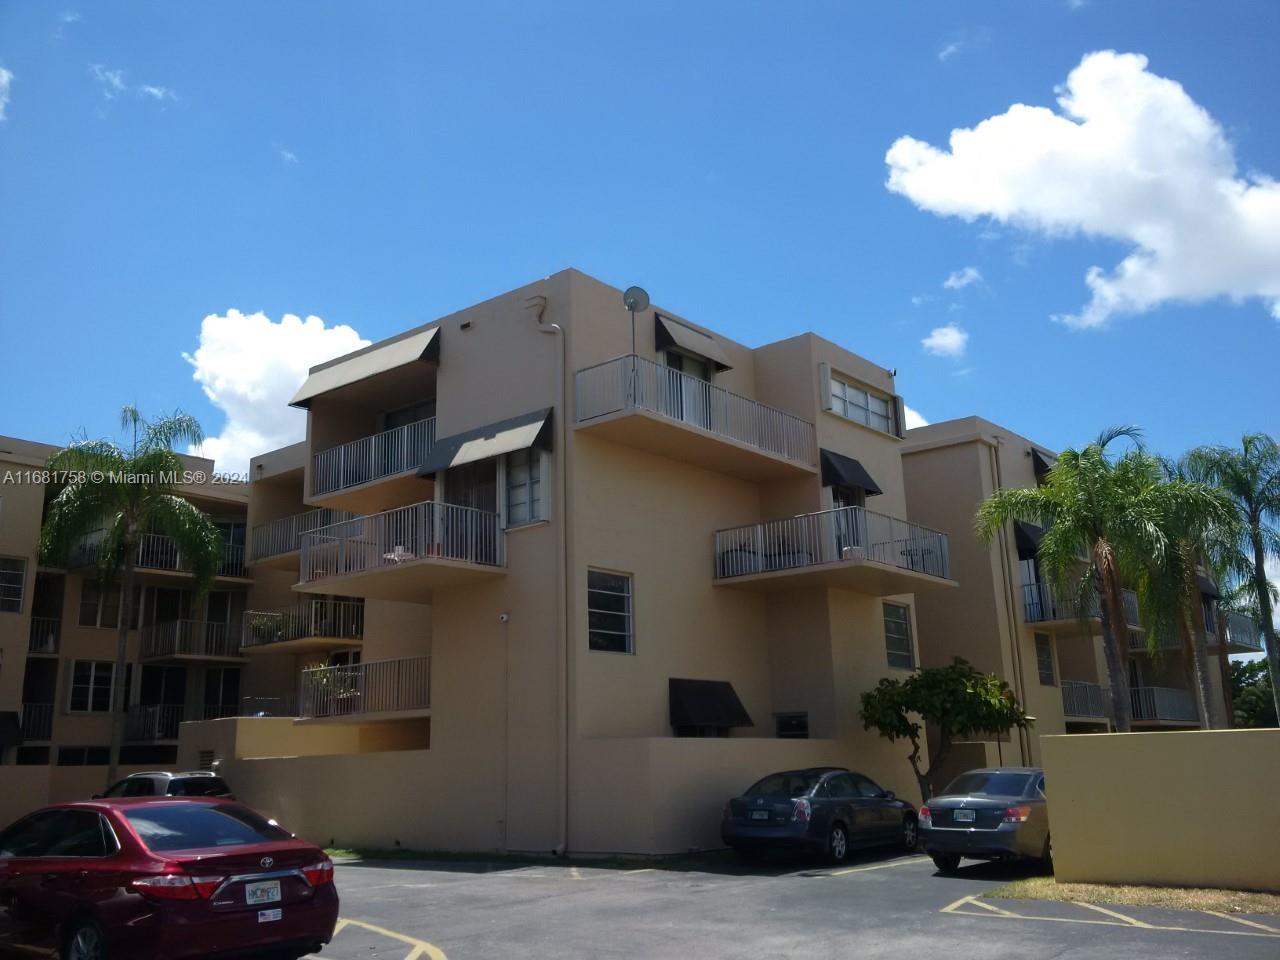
x=635 y=299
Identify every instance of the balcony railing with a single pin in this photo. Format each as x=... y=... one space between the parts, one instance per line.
x=1138 y=642
x=191 y=638
x=153 y=721
x=45 y=633
x=1243 y=631
x=1081 y=699
x=158 y=552
x=312 y=618
x=372 y=458
x=1162 y=703
x=847 y=533
x=634 y=383
x=285 y=534
x=429 y=530
x=1040 y=603
x=378 y=686
x=37 y=721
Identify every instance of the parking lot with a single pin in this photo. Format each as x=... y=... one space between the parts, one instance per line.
x=875 y=906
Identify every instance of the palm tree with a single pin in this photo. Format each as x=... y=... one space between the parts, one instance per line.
x=122 y=494
x=1250 y=476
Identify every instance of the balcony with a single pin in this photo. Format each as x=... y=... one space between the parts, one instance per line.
x=191 y=640
x=378 y=689
x=157 y=721
x=850 y=547
x=157 y=552
x=45 y=634
x=316 y=624
x=37 y=721
x=276 y=544
x=403 y=554
x=342 y=475
x=1243 y=634
x=1138 y=642
x=1162 y=705
x=639 y=403
x=1081 y=700
x=1041 y=604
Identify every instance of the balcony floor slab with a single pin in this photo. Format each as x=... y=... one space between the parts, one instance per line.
x=300 y=645
x=374 y=496
x=412 y=581
x=863 y=576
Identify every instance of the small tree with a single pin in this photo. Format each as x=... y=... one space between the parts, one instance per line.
x=957 y=699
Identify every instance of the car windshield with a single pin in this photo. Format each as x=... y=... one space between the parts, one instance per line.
x=792 y=784
x=987 y=784
x=193 y=826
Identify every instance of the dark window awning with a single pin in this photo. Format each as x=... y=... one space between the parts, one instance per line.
x=494 y=440
x=1027 y=536
x=1040 y=464
x=706 y=703
x=673 y=333
x=413 y=347
x=839 y=470
x=1208 y=587
x=10 y=729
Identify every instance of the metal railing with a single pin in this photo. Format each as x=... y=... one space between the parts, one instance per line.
x=37 y=721
x=1138 y=642
x=159 y=552
x=1243 y=631
x=846 y=533
x=1083 y=699
x=1162 y=703
x=268 y=707
x=634 y=383
x=285 y=534
x=428 y=530
x=191 y=638
x=45 y=633
x=343 y=619
x=1040 y=603
x=379 y=686
x=153 y=721
x=380 y=455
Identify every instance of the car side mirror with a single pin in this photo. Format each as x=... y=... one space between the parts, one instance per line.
x=96 y=796
x=889 y=795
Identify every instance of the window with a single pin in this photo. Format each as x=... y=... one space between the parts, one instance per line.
x=1210 y=617
x=13 y=574
x=897 y=636
x=865 y=787
x=693 y=730
x=32 y=757
x=791 y=726
x=524 y=487
x=90 y=687
x=100 y=607
x=988 y=783
x=609 y=625
x=795 y=784
x=841 y=786
x=862 y=406
x=149 y=754
x=83 y=756
x=180 y=826
x=1044 y=659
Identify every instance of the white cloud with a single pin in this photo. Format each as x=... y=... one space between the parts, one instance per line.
x=1076 y=4
x=111 y=81
x=948 y=341
x=6 y=80
x=69 y=16
x=249 y=367
x=913 y=418
x=959 y=279
x=921 y=298
x=1132 y=158
x=949 y=51
x=156 y=93
x=288 y=157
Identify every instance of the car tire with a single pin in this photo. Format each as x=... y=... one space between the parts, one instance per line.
x=83 y=940
x=910 y=834
x=945 y=862
x=838 y=843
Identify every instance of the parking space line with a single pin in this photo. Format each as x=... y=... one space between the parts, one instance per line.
x=1111 y=913
x=1247 y=923
x=421 y=949
x=957 y=909
x=874 y=866
x=992 y=907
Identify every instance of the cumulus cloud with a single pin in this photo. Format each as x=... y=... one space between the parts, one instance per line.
x=949 y=51
x=249 y=367
x=1130 y=157
x=6 y=80
x=913 y=418
x=948 y=341
x=959 y=279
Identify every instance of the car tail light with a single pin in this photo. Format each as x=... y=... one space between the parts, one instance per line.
x=800 y=810
x=926 y=818
x=176 y=886
x=319 y=873
x=1017 y=814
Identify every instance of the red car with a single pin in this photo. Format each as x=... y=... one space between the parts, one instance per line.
x=161 y=879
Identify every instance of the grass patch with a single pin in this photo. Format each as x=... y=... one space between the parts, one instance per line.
x=1174 y=898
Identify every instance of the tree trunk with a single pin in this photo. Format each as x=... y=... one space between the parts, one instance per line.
x=1112 y=612
x=1224 y=667
x=1264 y=609
x=1196 y=643
x=922 y=779
x=1194 y=653
x=119 y=691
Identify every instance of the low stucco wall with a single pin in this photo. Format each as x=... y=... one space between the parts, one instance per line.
x=27 y=788
x=1187 y=808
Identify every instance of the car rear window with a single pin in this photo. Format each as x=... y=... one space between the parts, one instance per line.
x=180 y=826
x=790 y=784
x=198 y=787
x=981 y=784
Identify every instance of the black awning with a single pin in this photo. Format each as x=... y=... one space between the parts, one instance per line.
x=839 y=470
x=494 y=440
x=673 y=333
x=1208 y=587
x=706 y=703
x=1040 y=464
x=1027 y=536
x=10 y=729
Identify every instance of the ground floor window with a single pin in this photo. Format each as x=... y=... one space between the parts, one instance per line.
x=83 y=756
x=791 y=726
x=91 y=686
x=609 y=624
x=32 y=757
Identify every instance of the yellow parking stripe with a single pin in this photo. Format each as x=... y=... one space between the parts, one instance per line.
x=1247 y=923
x=1111 y=913
x=956 y=910
x=994 y=909
x=421 y=949
x=875 y=866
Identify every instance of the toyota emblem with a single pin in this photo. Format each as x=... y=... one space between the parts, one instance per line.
x=266 y=862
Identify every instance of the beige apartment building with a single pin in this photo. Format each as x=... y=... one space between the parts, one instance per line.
x=1005 y=619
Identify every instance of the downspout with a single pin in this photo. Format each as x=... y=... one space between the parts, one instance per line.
x=537 y=306
x=1011 y=609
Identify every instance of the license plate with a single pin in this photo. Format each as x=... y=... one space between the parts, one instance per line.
x=265 y=891
x=962 y=816
x=759 y=814
x=268 y=916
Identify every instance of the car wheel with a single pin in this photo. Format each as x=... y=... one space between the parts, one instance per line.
x=945 y=862
x=84 y=941
x=837 y=843
x=910 y=833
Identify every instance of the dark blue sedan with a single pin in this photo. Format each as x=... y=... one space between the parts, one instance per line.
x=828 y=810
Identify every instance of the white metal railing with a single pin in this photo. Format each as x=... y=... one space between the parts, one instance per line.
x=268 y=706
x=1040 y=603
x=428 y=530
x=37 y=721
x=846 y=533
x=378 y=686
x=1243 y=631
x=1162 y=703
x=319 y=617
x=153 y=721
x=159 y=552
x=285 y=534
x=191 y=638
x=634 y=383
x=1138 y=642
x=45 y=633
x=380 y=455
x=1082 y=699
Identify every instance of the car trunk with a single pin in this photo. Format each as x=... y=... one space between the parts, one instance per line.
x=988 y=812
x=771 y=808
x=257 y=877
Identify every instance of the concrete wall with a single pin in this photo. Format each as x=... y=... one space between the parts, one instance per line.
x=1187 y=808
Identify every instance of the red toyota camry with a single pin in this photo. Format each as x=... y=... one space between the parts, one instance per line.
x=159 y=879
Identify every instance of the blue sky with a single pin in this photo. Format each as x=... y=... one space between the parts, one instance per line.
x=379 y=165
